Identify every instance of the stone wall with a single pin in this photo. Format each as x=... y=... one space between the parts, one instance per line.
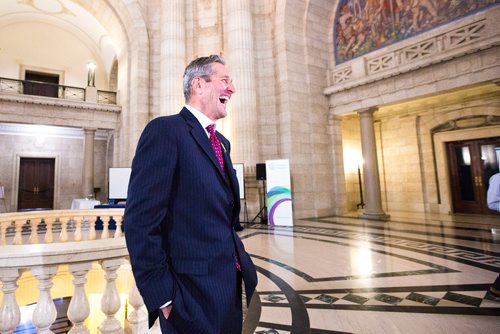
x=68 y=154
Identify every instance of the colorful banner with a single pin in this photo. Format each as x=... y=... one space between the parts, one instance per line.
x=279 y=194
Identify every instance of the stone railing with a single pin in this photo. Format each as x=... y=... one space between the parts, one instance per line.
x=43 y=243
x=27 y=87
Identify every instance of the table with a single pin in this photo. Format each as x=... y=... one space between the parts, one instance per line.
x=84 y=203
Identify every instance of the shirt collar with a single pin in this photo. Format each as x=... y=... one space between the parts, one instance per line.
x=202 y=118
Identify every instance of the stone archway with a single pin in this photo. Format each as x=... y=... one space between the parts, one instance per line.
x=126 y=26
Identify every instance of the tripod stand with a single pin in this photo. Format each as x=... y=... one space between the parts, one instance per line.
x=362 y=203
x=262 y=201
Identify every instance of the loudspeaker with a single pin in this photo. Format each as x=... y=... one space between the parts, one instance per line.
x=260 y=172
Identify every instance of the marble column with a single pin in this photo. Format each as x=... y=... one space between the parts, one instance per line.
x=88 y=162
x=373 y=208
x=172 y=56
x=239 y=51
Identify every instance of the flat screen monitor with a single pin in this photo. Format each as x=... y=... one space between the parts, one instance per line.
x=241 y=178
x=118 y=183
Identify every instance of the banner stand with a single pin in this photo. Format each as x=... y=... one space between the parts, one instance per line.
x=279 y=193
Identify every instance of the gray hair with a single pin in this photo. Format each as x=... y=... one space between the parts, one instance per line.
x=200 y=67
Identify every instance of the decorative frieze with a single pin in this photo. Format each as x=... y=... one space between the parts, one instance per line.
x=342 y=75
x=427 y=48
x=464 y=39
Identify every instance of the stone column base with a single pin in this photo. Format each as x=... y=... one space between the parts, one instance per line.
x=374 y=216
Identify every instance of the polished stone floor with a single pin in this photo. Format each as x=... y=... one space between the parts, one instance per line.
x=412 y=274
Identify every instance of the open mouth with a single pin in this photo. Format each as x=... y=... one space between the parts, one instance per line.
x=224 y=100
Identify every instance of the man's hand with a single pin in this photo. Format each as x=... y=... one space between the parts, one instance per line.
x=166 y=311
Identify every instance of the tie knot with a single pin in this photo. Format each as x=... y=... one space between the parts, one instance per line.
x=211 y=129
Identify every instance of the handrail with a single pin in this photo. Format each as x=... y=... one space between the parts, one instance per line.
x=77 y=248
x=17 y=86
x=83 y=225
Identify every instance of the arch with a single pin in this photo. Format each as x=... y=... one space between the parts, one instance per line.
x=127 y=28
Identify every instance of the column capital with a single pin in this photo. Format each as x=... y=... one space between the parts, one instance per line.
x=89 y=130
x=367 y=111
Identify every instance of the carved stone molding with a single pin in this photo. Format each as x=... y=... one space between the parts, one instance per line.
x=457 y=39
x=467 y=123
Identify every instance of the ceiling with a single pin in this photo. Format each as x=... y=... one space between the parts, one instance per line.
x=66 y=14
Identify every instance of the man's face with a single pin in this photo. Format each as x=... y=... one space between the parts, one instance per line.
x=216 y=92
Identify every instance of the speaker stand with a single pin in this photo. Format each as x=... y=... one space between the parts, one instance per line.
x=262 y=214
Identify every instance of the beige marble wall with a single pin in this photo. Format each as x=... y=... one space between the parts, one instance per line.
x=412 y=158
x=400 y=175
x=298 y=96
x=297 y=126
x=68 y=153
x=351 y=144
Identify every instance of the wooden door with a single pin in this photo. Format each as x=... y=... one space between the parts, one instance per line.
x=472 y=163
x=36 y=184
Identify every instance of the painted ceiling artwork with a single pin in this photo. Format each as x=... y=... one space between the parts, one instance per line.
x=362 y=26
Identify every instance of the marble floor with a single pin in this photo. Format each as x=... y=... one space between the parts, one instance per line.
x=412 y=274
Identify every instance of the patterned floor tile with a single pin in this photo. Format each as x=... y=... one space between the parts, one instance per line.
x=326 y=299
x=274 y=298
x=424 y=299
x=360 y=300
x=388 y=299
x=462 y=299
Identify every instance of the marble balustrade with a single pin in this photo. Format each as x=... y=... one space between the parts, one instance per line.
x=43 y=241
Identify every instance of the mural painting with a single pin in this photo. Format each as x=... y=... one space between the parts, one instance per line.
x=362 y=26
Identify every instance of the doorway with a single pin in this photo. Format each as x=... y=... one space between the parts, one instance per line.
x=41 y=84
x=36 y=184
x=472 y=163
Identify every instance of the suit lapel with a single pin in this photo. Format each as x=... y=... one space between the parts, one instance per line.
x=200 y=136
x=229 y=167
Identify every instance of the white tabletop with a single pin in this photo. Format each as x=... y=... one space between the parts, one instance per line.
x=84 y=203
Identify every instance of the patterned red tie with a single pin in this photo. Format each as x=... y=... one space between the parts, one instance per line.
x=216 y=145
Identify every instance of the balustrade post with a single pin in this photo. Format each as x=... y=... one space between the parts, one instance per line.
x=119 y=224
x=78 y=228
x=34 y=231
x=105 y=227
x=3 y=233
x=10 y=314
x=79 y=309
x=110 y=302
x=92 y=232
x=18 y=237
x=137 y=320
x=48 y=234
x=45 y=311
x=63 y=236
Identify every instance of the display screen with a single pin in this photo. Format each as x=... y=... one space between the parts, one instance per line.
x=118 y=183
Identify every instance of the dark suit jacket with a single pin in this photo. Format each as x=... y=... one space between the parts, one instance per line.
x=179 y=220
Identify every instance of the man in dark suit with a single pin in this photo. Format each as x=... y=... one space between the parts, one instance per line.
x=182 y=207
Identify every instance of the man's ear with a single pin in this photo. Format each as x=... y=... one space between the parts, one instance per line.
x=197 y=84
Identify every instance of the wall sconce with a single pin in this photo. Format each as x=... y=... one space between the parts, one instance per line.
x=91 y=74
